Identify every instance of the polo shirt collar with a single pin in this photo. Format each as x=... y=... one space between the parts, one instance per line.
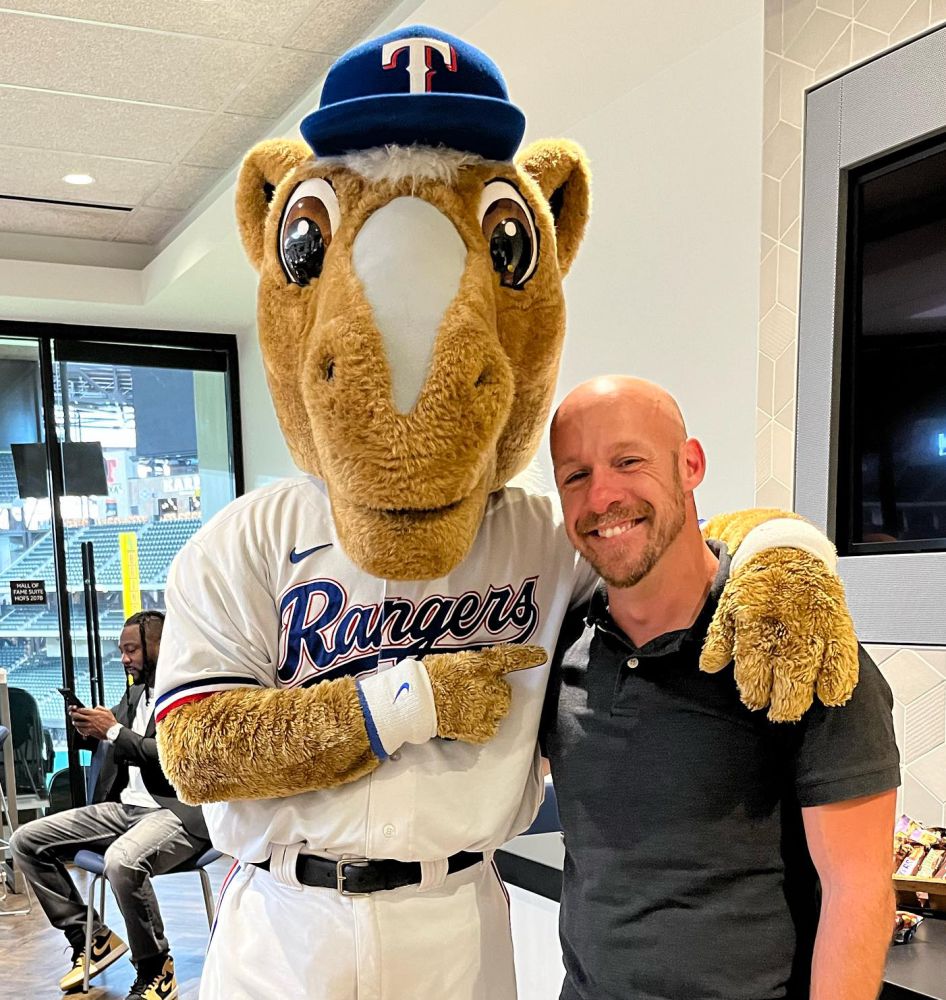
x=599 y=616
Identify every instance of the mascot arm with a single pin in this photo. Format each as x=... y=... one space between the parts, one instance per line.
x=249 y=743
x=782 y=615
x=227 y=731
x=252 y=744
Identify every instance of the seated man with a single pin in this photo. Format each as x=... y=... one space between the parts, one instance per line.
x=136 y=820
x=696 y=830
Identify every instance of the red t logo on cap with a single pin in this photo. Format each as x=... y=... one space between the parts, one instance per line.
x=419 y=52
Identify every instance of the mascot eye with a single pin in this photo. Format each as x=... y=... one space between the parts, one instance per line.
x=309 y=219
x=507 y=223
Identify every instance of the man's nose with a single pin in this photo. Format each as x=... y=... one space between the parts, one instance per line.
x=603 y=491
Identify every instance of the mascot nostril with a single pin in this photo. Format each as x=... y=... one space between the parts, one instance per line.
x=324 y=631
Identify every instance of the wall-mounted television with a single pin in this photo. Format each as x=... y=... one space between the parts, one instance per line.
x=871 y=392
x=892 y=401
x=83 y=469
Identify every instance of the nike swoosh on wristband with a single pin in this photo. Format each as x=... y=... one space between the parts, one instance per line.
x=406 y=686
x=295 y=557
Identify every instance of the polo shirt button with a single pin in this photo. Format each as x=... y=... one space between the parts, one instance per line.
x=389 y=829
x=632 y=662
x=396 y=755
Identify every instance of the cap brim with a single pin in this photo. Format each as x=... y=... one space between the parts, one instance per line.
x=487 y=126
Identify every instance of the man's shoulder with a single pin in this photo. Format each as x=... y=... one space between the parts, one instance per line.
x=850 y=750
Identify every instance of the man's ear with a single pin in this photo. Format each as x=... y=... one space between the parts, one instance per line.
x=264 y=167
x=560 y=168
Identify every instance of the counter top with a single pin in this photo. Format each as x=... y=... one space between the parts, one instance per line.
x=918 y=969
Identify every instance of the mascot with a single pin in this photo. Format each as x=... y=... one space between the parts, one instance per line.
x=351 y=674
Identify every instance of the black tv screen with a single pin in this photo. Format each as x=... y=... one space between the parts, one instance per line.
x=83 y=469
x=165 y=418
x=892 y=454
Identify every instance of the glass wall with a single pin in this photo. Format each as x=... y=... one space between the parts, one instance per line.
x=148 y=447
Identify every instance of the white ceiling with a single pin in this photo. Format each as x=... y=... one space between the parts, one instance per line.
x=158 y=100
x=155 y=99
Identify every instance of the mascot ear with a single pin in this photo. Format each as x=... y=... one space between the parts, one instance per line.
x=264 y=167
x=560 y=169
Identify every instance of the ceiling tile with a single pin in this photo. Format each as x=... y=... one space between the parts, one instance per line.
x=246 y=20
x=38 y=173
x=277 y=85
x=183 y=186
x=148 y=225
x=334 y=25
x=130 y=64
x=226 y=141
x=95 y=125
x=49 y=220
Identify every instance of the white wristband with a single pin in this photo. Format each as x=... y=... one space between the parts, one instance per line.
x=399 y=707
x=785 y=532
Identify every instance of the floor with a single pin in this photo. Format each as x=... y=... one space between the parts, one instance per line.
x=35 y=956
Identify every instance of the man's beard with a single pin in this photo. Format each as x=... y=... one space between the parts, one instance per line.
x=663 y=535
x=144 y=678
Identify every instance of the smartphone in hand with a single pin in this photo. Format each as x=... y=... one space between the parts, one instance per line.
x=71 y=698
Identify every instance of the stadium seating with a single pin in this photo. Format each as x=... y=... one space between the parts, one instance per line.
x=8 y=490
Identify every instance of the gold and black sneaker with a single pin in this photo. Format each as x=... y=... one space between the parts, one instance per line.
x=106 y=948
x=155 y=984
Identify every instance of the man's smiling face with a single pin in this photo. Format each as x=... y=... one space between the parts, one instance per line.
x=616 y=453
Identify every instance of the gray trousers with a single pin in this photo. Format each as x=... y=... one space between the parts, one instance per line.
x=137 y=843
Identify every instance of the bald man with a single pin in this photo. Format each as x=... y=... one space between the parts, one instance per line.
x=697 y=831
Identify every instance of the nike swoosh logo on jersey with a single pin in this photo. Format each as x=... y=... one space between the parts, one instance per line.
x=295 y=557
x=404 y=687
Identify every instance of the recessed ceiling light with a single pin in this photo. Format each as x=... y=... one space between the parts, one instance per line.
x=79 y=179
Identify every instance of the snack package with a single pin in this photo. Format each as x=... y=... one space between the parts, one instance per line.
x=900 y=855
x=931 y=863
x=913 y=860
x=905 y=826
x=904 y=926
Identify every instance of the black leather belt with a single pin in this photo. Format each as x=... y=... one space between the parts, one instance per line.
x=360 y=876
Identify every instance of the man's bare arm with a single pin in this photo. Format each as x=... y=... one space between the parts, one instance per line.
x=850 y=844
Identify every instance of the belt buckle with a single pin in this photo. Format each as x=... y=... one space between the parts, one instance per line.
x=340 y=875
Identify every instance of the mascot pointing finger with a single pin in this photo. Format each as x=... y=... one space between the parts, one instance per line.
x=353 y=667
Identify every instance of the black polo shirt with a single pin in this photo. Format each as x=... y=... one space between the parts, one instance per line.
x=687 y=875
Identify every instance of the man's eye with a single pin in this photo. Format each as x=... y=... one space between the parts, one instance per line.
x=574 y=477
x=626 y=462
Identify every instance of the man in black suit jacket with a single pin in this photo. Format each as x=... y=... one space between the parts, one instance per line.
x=135 y=819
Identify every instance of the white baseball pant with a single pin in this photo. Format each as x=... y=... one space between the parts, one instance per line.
x=308 y=943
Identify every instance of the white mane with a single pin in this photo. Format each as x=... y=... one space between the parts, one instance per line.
x=396 y=163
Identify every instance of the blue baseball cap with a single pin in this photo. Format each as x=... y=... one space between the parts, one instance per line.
x=415 y=85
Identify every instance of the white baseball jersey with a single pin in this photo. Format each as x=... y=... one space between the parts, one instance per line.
x=264 y=596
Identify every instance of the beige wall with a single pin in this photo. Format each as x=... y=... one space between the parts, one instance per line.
x=805 y=43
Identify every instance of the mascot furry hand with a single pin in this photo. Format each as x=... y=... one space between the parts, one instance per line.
x=411 y=319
